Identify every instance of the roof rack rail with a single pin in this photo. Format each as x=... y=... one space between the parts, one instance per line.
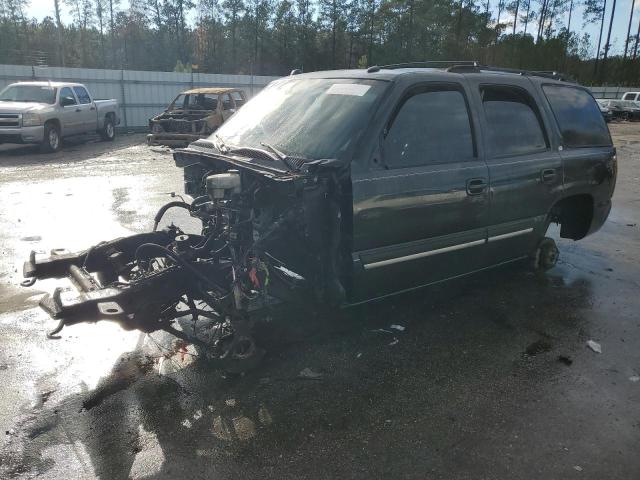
x=430 y=63
x=535 y=73
x=473 y=66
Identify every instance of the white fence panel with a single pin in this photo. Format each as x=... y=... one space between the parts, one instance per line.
x=140 y=94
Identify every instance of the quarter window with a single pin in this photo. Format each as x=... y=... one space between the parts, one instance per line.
x=431 y=127
x=578 y=116
x=513 y=121
x=82 y=94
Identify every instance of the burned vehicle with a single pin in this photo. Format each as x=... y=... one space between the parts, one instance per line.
x=335 y=188
x=194 y=114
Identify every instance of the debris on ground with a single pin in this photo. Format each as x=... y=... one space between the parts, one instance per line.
x=567 y=360
x=595 y=346
x=11 y=431
x=359 y=355
x=4 y=366
x=186 y=423
x=45 y=395
x=382 y=330
x=394 y=342
x=539 y=346
x=308 y=373
x=230 y=402
x=197 y=415
x=577 y=468
x=634 y=378
x=400 y=328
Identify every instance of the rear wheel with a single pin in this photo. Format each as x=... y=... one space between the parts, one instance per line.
x=51 y=141
x=108 y=132
x=546 y=255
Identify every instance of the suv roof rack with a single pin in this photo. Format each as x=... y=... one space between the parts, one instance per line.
x=472 y=66
x=430 y=64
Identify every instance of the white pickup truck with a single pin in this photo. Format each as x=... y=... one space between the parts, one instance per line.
x=45 y=112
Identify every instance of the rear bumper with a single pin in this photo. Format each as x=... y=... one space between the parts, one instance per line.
x=172 y=139
x=22 y=134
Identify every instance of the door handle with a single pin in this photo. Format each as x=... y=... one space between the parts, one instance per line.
x=476 y=186
x=92 y=108
x=78 y=110
x=548 y=175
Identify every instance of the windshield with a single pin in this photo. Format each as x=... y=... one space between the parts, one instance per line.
x=307 y=118
x=29 y=93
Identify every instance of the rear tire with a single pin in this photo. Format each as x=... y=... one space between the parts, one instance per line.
x=108 y=132
x=546 y=255
x=51 y=141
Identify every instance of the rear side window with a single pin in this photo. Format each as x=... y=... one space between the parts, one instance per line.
x=578 y=116
x=238 y=99
x=227 y=103
x=82 y=94
x=431 y=127
x=513 y=121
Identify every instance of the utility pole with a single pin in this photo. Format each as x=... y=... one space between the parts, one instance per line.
x=56 y=4
x=635 y=48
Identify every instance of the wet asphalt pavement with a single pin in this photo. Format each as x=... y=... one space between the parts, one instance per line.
x=491 y=378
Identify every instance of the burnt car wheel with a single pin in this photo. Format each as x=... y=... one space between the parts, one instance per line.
x=108 y=132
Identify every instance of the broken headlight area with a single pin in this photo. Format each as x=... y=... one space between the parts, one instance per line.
x=267 y=237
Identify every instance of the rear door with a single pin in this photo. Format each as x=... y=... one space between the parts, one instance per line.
x=525 y=170
x=421 y=211
x=587 y=151
x=86 y=110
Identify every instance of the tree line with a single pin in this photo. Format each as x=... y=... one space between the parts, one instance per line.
x=272 y=37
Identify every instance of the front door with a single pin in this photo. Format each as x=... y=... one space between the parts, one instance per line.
x=70 y=117
x=421 y=211
x=87 y=114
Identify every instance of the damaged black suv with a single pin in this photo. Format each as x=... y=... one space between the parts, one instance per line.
x=341 y=187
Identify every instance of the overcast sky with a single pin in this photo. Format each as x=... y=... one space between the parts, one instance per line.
x=42 y=8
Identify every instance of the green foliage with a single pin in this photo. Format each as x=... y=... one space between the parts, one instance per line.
x=272 y=37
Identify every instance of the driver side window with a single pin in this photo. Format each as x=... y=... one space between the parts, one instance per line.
x=431 y=127
x=67 y=93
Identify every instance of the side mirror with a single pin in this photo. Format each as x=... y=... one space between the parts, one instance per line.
x=65 y=101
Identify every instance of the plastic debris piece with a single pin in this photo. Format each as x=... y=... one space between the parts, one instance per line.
x=308 y=373
x=634 y=378
x=210 y=407
x=577 y=468
x=394 y=342
x=400 y=328
x=186 y=423
x=11 y=431
x=382 y=330
x=197 y=415
x=595 y=346
x=359 y=355
x=231 y=402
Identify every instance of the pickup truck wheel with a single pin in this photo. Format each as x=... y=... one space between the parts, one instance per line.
x=51 y=141
x=108 y=132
